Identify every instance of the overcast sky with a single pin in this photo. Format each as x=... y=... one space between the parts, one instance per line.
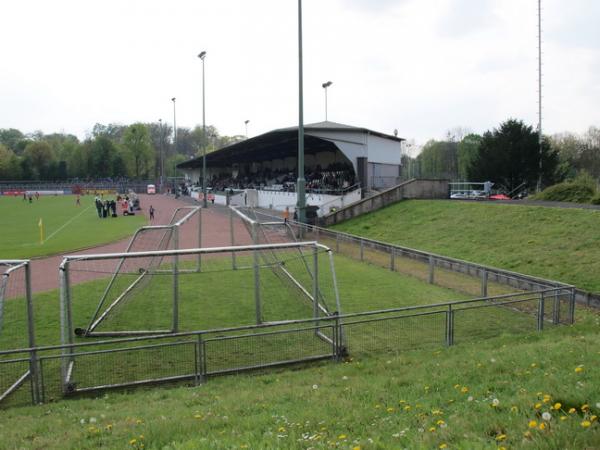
x=421 y=66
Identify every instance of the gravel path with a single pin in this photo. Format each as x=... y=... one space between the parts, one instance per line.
x=215 y=223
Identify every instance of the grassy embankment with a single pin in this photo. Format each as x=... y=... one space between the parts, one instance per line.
x=560 y=244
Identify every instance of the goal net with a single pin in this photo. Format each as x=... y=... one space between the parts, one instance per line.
x=116 y=283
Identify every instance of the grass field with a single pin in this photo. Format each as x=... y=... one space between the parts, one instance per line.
x=482 y=393
x=66 y=226
x=549 y=242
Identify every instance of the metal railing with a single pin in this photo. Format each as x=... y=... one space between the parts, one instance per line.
x=197 y=356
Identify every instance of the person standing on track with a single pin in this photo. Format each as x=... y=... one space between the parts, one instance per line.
x=151 y=211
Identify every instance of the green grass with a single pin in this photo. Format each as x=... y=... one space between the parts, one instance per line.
x=548 y=242
x=66 y=227
x=373 y=402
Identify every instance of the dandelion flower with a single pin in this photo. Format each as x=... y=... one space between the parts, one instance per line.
x=464 y=389
x=572 y=410
x=470 y=398
x=132 y=442
x=342 y=436
x=537 y=405
x=390 y=410
x=578 y=369
x=315 y=386
x=533 y=424
x=281 y=429
x=440 y=422
x=527 y=434
x=356 y=448
x=585 y=407
x=543 y=426
x=495 y=403
x=514 y=409
x=432 y=429
x=593 y=418
x=442 y=445
x=563 y=418
x=586 y=424
x=501 y=437
x=407 y=408
x=547 y=416
x=557 y=406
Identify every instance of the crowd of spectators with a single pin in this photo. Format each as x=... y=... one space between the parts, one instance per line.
x=333 y=179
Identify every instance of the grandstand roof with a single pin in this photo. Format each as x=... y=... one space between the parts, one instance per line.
x=280 y=143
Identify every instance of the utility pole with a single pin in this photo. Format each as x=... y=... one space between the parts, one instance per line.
x=540 y=136
x=301 y=190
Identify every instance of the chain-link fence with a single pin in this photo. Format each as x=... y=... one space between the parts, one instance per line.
x=193 y=357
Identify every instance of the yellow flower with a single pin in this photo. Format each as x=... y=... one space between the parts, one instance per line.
x=514 y=409
x=563 y=418
x=593 y=418
x=464 y=389
x=443 y=446
x=407 y=408
x=572 y=410
x=532 y=424
x=527 y=434
x=501 y=437
x=437 y=412
x=342 y=436
x=356 y=448
x=537 y=405
x=440 y=422
x=401 y=401
x=557 y=406
x=586 y=424
x=390 y=409
x=585 y=407
x=132 y=442
x=502 y=447
x=281 y=429
x=456 y=386
x=543 y=426
x=432 y=429
x=578 y=369
x=547 y=398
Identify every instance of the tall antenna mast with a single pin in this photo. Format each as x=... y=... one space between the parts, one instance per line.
x=540 y=139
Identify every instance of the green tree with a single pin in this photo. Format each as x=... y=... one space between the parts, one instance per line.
x=10 y=138
x=102 y=156
x=467 y=152
x=510 y=155
x=136 y=141
x=40 y=157
x=9 y=164
x=438 y=159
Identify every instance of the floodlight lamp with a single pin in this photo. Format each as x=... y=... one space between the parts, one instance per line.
x=326 y=85
x=201 y=55
x=173 y=99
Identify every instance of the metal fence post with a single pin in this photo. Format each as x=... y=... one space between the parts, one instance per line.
x=176 y=282
x=392 y=259
x=199 y=360
x=540 y=318
x=33 y=361
x=256 y=275
x=431 y=269
x=572 y=306
x=232 y=237
x=484 y=283
x=316 y=285
x=337 y=243
x=449 y=326
x=556 y=308
x=362 y=250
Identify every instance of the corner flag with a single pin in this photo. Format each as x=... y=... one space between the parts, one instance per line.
x=41 y=227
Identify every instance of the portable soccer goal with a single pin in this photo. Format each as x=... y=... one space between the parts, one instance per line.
x=17 y=330
x=113 y=278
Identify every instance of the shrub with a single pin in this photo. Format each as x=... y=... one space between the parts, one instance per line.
x=574 y=191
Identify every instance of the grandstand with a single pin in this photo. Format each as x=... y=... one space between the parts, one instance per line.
x=341 y=162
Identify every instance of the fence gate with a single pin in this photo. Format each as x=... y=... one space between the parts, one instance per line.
x=18 y=372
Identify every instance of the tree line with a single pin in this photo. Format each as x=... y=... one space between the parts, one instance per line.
x=110 y=151
x=508 y=155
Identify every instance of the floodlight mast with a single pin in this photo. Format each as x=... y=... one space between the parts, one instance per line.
x=325 y=86
x=540 y=138
x=202 y=55
x=301 y=190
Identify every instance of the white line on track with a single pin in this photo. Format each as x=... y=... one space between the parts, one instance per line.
x=67 y=223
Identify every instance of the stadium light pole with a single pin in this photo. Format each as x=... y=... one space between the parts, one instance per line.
x=246 y=123
x=540 y=138
x=202 y=55
x=325 y=86
x=301 y=204
x=161 y=160
x=174 y=126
